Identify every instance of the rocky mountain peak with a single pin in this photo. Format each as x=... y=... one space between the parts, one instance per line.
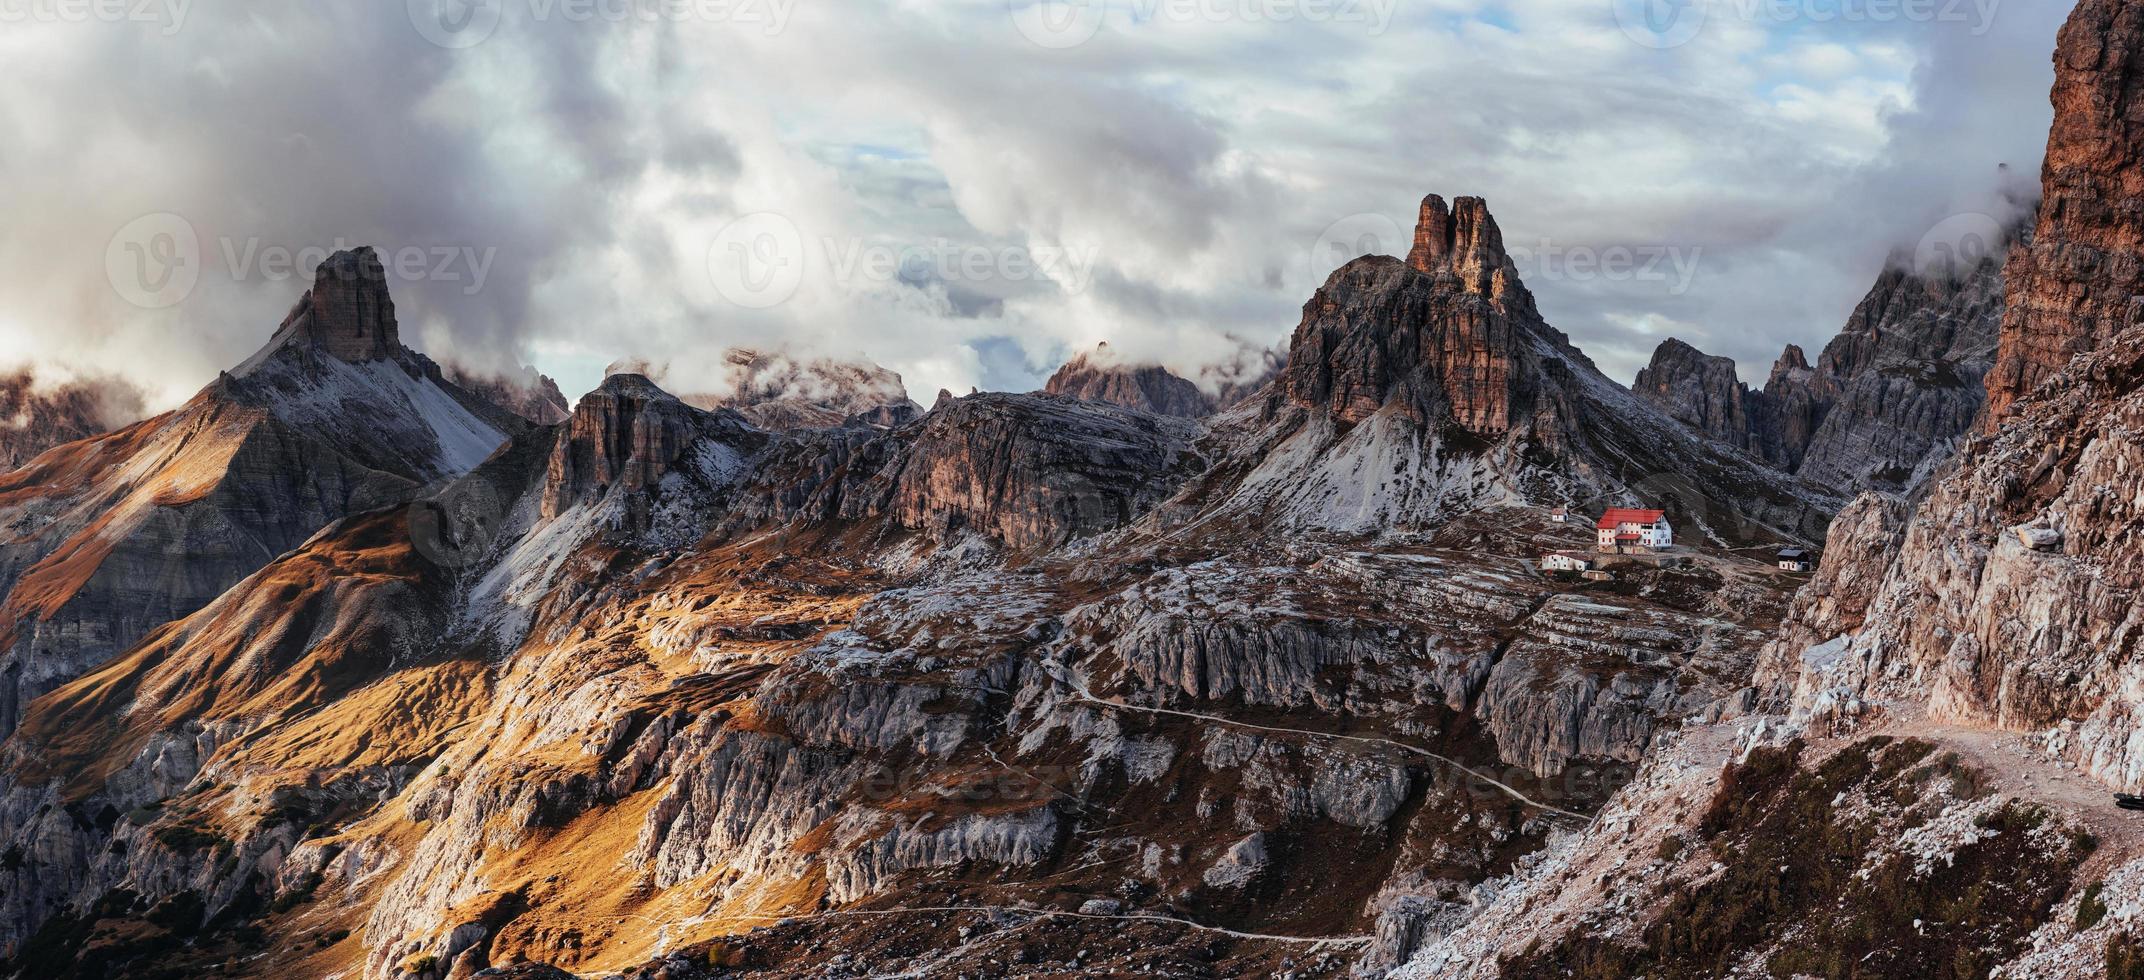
x=778 y=390
x=1791 y=362
x=1448 y=334
x=1103 y=376
x=1461 y=240
x=348 y=312
x=627 y=433
x=1700 y=390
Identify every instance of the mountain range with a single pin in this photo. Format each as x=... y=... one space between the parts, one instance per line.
x=356 y=666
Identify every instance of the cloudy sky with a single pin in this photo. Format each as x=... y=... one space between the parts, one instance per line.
x=967 y=190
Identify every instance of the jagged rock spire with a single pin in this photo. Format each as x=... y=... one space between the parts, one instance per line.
x=348 y=312
x=1462 y=240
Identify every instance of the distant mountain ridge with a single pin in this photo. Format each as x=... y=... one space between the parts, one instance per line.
x=1886 y=401
x=35 y=417
x=778 y=391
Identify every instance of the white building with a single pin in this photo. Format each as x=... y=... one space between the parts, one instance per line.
x=1565 y=561
x=1644 y=530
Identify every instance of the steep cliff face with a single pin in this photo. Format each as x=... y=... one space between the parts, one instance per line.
x=629 y=435
x=2011 y=600
x=1904 y=380
x=1883 y=406
x=1703 y=392
x=1100 y=376
x=2075 y=287
x=35 y=417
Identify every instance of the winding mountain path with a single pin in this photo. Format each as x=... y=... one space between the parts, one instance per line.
x=1059 y=674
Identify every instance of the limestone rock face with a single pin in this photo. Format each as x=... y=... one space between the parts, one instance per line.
x=1449 y=333
x=1417 y=389
x=1703 y=392
x=1969 y=616
x=2077 y=284
x=1798 y=398
x=1099 y=376
x=1026 y=470
x=347 y=313
x=1883 y=406
x=34 y=417
x=629 y=435
x=1463 y=242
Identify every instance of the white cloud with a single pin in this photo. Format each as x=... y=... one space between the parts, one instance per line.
x=1197 y=162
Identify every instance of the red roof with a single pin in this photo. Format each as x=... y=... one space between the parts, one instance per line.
x=1620 y=516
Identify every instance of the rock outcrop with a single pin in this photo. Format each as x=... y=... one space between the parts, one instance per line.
x=628 y=435
x=1102 y=376
x=2011 y=600
x=1704 y=393
x=1420 y=389
x=780 y=391
x=108 y=538
x=348 y=312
